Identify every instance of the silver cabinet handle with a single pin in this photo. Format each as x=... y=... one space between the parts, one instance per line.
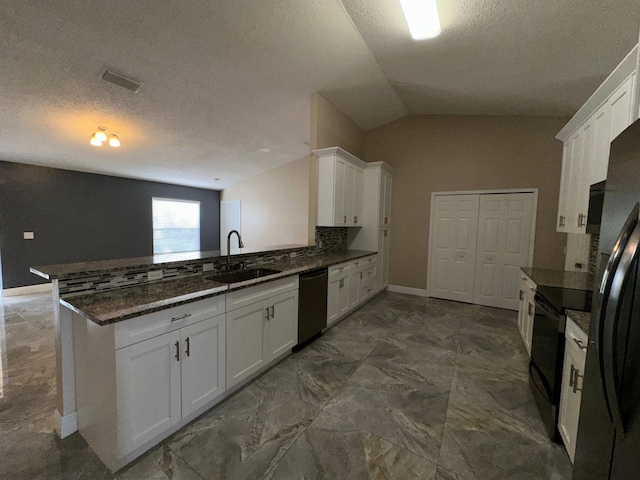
x=530 y=309
x=273 y=311
x=178 y=351
x=581 y=218
x=361 y=275
x=355 y=219
x=386 y=220
x=521 y=295
x=188 y=351
x=345 y=219
x=573 y=379
x=561 y=221
x=581 y=345
x=266 y=311
x=341 y=284
x=385 y=233
x=181 y=317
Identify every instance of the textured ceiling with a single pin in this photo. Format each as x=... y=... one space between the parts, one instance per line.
x=226 y=84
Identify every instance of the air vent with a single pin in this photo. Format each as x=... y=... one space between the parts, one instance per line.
x=121 y=81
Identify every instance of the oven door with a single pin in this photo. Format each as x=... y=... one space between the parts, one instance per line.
x=547 y=350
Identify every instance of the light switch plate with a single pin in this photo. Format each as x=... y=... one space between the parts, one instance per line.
x=28 y=235
x=155 y=275
x=207 y=267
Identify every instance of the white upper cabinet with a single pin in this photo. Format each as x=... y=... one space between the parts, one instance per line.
x=340 y=188
x=587 y=139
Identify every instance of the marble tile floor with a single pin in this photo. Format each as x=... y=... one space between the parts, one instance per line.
x=404 y=388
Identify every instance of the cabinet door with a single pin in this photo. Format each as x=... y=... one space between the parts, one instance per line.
x=349 y=194
x=149 y=392
x=621 y=103
x=358 y=197
x=388 y=181
x=354 y=286
x=333 y=294
x=522 y=310
x=339 y=188
x=203 y=362
x=565 y=179
x=569 y=413
x=602 y=129
x=571 y=205
x=281 y=330
x=583 y=176
x=343 y=295
x=384 y=237
x=245 y=352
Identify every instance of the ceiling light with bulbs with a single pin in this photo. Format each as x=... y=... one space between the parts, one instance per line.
x=100 y=136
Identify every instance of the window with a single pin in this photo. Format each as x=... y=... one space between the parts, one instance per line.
x=176 y=226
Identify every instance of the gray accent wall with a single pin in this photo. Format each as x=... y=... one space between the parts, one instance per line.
x=80 y=217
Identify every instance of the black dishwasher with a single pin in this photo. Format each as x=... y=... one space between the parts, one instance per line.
x=312 y=304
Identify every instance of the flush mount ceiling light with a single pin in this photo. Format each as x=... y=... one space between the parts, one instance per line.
x=100 y=136
x=422 y=18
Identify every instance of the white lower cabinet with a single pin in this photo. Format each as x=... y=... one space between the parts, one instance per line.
x=571 y=391
x=526 y=309
x=139 y=380
x=337 y=293
x=166 y=378
x=263 y=330
x=349 y=285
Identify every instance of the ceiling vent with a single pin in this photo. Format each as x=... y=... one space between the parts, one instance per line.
x=121 y=81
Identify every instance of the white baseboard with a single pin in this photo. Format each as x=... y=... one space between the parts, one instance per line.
x=419 y=292
x=65 y=426
x=28 y=290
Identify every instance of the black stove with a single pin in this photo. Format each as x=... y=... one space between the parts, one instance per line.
x=567 y=298
x=547 y=348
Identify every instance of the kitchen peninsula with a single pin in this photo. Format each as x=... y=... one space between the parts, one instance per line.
x=146 y=345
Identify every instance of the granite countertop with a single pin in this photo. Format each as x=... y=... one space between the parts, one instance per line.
x=581 y=319
x=560 y=278
x=116 y=305
x=51 y=272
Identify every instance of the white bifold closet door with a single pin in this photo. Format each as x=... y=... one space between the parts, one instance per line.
x=453 y=260
x=479 y=241
x=504 y=233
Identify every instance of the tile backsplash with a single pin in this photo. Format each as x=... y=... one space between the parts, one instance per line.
x=328 y=239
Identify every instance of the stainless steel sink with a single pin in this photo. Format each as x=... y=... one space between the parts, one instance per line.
x=242 y=275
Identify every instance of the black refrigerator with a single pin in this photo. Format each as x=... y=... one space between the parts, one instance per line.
x=608 y=443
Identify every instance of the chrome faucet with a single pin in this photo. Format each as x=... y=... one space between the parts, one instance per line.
x=240 y=245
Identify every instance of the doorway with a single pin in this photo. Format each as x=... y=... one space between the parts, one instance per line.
x=477 y=243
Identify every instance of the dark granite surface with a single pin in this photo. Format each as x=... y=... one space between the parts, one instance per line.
x=51 y=272
x=560 y=278
x=116 y=305
x=581 y=319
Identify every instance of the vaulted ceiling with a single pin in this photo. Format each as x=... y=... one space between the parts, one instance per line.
x=226 y=84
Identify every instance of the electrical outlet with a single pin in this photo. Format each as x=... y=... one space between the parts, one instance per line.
x=319 y=243
x=207 y=267
x=154 y=275
x=28 y=235
x=293 y=255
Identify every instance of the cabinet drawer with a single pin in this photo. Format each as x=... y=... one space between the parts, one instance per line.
x=247 y=296
x=575 y=336
x=148 y=326
x=367 y=288
x=339 y=269
x=368 y=273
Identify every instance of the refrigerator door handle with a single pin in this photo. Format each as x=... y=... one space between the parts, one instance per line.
x=605 y=285
x=610 y=326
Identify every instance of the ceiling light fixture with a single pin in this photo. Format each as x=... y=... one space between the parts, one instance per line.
x=422 y=18
x=114 y=141
x=100 y=136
